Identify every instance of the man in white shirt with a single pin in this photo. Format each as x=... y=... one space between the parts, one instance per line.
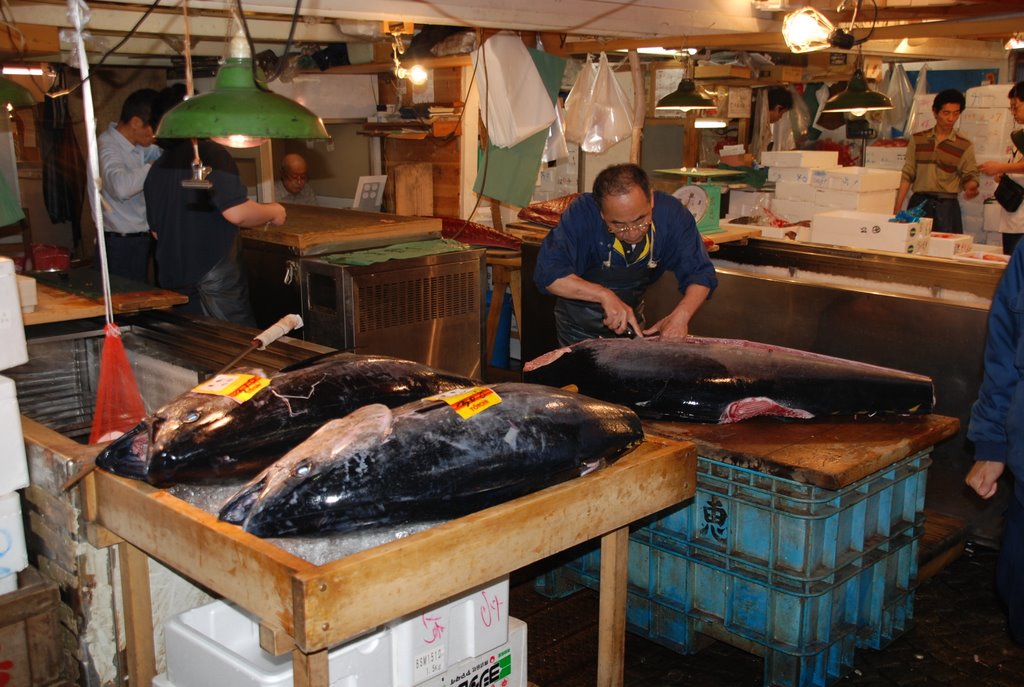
x=127 y=152
x=293 y=186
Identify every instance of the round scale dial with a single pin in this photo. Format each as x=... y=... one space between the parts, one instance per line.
x=694 y=198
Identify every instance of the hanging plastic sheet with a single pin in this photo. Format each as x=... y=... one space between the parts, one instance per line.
x=920 y=110
x=894 y=121
x=515 y=104
x=577 y=103
x=555 y=148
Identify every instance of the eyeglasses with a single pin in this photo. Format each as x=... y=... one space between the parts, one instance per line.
x=296 y=177
x=629 y=228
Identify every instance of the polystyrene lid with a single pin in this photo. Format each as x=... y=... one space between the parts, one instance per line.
x=7 y=389
x=6 y=265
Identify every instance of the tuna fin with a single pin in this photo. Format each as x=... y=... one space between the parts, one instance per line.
x=753 y=406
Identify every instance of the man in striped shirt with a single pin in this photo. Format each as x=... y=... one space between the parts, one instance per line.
x=940 y=163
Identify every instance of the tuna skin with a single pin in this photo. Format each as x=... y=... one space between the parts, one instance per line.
x=422 y=461
x=206 y=439
x=727 y=380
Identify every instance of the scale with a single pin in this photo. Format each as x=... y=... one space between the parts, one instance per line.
x=704 y=201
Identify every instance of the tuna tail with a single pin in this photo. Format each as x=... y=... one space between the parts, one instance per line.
x=126 y=456
x=237 y=508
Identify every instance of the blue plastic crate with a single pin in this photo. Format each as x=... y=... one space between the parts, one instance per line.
x=792 y=528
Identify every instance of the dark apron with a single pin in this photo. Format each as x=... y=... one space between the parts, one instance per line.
x=577 y=320
x=944 y=209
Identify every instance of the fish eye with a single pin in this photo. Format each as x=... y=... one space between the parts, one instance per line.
x=192 y=416
x=301 y=470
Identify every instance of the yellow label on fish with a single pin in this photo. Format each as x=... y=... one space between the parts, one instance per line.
x=238 y=387
x=469 y=402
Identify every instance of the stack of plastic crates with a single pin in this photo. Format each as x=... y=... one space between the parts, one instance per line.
x=793 y=572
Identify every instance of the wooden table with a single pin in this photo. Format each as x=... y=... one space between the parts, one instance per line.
x=55 y=305
x=828 y=453
x=306 y=609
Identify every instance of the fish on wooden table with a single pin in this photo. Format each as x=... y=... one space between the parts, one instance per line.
x=207 y=437
x=433 y=459
x=727 y=380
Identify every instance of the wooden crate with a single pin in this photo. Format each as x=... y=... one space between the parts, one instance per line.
x=30 y=651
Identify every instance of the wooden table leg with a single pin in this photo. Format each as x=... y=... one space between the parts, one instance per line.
x=611 y=638
x=310 y=670
x=138 y=614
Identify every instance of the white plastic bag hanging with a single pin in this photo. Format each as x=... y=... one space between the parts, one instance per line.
x=894 y=121
x=610 y=116
x=555 y=148
x=577 y=103
x=921 y=116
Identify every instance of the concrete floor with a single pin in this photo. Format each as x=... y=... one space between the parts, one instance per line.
x=958 y=637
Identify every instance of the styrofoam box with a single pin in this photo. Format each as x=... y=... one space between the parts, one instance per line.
x=504 y=665
x=856 y=179
x=794 y=210
x=944 y=245
x=865 y=201
x=797 y=175
x=800 y=158
x=796 y=232
x=994 y=95
x=885 y=157
x=868 y=230
x=794 y=190
x=9 y=583
x=218 y=644
x=12 y=332
x=984 y=258
x=13 y=467
x=27 y=293
x=13 y=557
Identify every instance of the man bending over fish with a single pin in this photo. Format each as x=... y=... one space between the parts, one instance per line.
x=609 y=246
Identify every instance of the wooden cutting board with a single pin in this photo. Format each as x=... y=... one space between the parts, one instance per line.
x=826 y=453
x=311 y=230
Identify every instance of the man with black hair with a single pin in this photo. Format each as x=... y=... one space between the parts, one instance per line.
x=126 y=153
x=940 y=163
x=780 y=101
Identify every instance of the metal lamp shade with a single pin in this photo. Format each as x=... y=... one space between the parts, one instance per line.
x=15 y=94
x=236 y=106
x=858 y=97
x=685 y=97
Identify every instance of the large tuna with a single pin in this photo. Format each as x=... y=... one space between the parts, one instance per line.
x=727 y=380
x=425 y=461
x=204 y=438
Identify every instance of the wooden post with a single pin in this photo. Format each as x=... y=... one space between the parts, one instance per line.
x=138 y=614
x=611 y=638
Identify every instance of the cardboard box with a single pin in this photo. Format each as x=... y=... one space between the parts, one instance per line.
x=869 y=230
x=885 y=157
x=721 y=71
x=856 y=179
x=782 y=73
x=13 y=467
x=800 y=158
x=944 y=245
x=870 y=201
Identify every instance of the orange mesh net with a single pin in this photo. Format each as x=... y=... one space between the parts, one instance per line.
x=118 y=401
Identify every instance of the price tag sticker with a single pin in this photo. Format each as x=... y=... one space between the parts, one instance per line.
x=238 y=387
x=469 y=402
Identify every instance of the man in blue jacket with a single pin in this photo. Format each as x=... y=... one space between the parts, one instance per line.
x=997 y=430
x=609 y=246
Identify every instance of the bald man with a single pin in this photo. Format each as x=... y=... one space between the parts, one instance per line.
x=293 y=186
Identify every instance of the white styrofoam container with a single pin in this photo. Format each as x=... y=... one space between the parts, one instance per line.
x=428 y=643
x=989 y=130
x=984 y=258
x=794 y=210
x=796 y=232
x=8 y=583
x=13 y=557
x=993 y=95
x=860 y=179
x=885 y=157
x=798 y=175
x=13 y=466
x=944 y=245
x=503 y=666
x=865 y=201
x=27 y=293
x=218 y=644
x=869 y=230
x=12 y=332
x=800 y=158
x=794 y=190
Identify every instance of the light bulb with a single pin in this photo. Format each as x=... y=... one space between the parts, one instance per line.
x=239 y=141
x=418 y=75
x=859 y=112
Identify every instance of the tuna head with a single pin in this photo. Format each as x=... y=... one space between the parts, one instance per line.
x=276 y=498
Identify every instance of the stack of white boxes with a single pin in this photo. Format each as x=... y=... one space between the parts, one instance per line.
x=987 y=123
x=791 y=171
x=13 y=468
x=870 y=230
x=468 y=641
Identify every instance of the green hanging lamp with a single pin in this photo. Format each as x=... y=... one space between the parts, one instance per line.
x=857 y=98
x=14 y=94
x=685 y=98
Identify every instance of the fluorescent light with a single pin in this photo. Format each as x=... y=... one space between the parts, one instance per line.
x=709 y=123
x=24 y=71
